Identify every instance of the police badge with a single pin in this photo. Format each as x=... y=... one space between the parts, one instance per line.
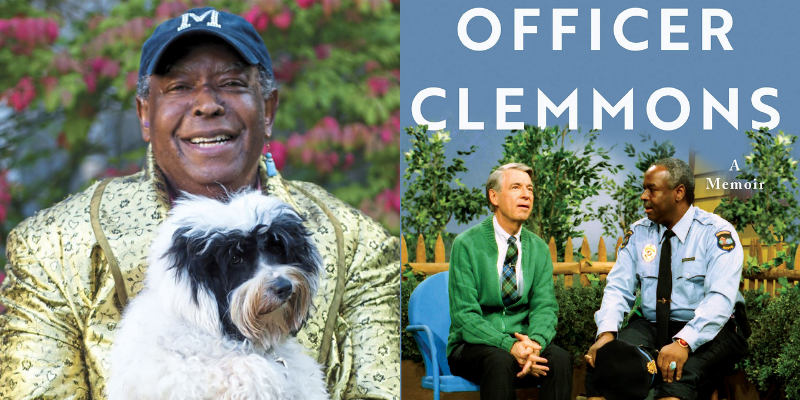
x=649 y=252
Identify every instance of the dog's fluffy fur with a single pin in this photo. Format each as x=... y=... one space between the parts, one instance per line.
x=229 y=283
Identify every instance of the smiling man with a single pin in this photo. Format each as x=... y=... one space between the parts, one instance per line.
x=687 y=263
x=206 y=103
x=502 y=305
x=206 y=116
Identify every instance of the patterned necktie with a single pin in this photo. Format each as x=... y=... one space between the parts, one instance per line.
x=664 y=290
x=509 y=283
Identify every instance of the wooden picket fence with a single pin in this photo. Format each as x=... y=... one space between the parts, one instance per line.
x=572 y=271
x=767 y=281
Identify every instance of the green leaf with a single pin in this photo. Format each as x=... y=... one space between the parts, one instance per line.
x=76 y=129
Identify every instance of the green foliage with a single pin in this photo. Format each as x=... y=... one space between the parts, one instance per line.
x=789 y=363
x=327 y=153
x=617 y=218
x=576 y=329
x=434 y=194
x=566 y=175
x=773 y=210
x=409 y=348
x=775 y=344
x=752 y=267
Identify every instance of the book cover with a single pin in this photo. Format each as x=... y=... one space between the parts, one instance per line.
x=602 y=90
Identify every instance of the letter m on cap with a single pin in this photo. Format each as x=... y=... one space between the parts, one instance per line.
x=214 y=19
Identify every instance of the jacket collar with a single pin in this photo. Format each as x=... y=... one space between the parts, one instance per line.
x=487 y=229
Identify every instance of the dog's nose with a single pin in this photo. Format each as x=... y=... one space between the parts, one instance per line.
x=282 y=288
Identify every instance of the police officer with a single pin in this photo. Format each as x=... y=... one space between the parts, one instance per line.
x=688 y=264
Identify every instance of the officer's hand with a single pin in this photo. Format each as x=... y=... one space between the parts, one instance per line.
x=604 y=338
x=669 y=353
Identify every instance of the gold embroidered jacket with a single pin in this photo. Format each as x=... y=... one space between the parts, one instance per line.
x=62 y=307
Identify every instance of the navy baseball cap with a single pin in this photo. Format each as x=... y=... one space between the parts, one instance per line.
x=231 y=28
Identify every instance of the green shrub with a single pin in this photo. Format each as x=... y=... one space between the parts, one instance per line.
x=771 y=212
x=789 y=362
x=576 y=307
x=774 y=358
x=434 y=193
x=409 y=349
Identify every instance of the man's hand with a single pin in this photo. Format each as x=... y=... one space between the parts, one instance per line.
x=669 y=353
x=533 y=365
x=604 y=338
x=529 y=343
x=521 y=352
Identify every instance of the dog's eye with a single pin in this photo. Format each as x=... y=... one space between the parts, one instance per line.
x=236 y=260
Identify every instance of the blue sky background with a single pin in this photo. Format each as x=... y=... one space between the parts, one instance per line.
x=766 y=49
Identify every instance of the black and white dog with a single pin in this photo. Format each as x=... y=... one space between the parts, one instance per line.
x=228 y=285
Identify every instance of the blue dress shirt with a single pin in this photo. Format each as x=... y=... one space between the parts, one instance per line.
x=707 y=261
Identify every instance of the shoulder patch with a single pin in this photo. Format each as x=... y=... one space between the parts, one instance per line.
x=725 y=241
x=627 y=238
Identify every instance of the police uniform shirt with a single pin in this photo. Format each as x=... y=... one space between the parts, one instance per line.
x=706 y=269
x=501 y=237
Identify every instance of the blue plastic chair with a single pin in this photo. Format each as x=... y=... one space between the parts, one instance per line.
x=429 y=316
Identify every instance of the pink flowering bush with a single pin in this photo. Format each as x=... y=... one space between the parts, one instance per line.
x=258 y=18
x=283 y=20
x=20 y=96
x=5 y=200
x=332 y=150
x=22 y=34
x=2 y=278
x=337 y=124
x=305 y=3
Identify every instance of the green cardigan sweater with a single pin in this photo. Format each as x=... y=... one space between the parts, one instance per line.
x=477 y=313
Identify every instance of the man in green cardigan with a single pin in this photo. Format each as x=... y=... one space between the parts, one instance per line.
x=502 y=304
